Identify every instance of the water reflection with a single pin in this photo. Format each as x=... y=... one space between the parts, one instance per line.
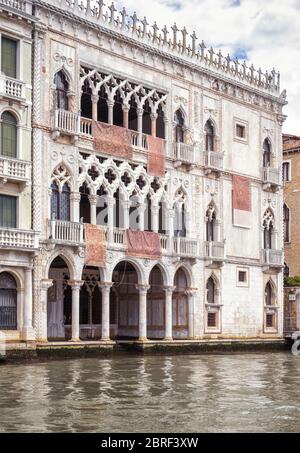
x=251 y=392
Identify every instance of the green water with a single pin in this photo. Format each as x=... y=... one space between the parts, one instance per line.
x=217 y=393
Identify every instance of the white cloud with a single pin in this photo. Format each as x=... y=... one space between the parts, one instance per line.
x=268 y=31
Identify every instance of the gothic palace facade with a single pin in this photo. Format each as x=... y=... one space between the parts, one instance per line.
x=154 y=206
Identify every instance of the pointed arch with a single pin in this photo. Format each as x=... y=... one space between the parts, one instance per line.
x=211 y=222
x=210 y=135
x=61 y=82
x=286 y=223
x=180 y=125
x=267 y=153
x=268 y=229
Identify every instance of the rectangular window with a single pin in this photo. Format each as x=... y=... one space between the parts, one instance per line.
x=270 y=320
x=211 y=319
x=8 y=211
x=242 y=277
x=9 y=57
x=240 y=131
x=286 y=171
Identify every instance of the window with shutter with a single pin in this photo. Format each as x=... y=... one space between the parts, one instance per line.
x=8 y=130
x=8 y=211
x=9 y=57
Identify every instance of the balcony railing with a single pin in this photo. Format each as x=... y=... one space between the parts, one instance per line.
x=163 y=243
x=14 y=169
x=86 y=126
x=271 y=257
x=213 y=160
x=271 y=176
x=15 y=238
x=12 y=87
x=214 y=250
x=185 y=247
x=119 y=237
x=20 y=5
x=65 y=121
x=184 y=152
x=65 y=231
x=139 y=140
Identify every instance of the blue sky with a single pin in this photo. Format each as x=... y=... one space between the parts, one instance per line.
x=265 y=32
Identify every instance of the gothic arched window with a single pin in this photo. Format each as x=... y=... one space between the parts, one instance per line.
x=8 y=302
x=179 y=128
x=209 y=136
x=8 y=135
x=210 y=223
x=61 y=91
x=210 y=288
x=268 y=294
x=60 y=201
x=268 y=226
x=286 y=223
x=266 y=153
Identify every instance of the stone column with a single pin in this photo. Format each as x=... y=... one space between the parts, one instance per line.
x=28 y=332
x=95 y=100
x=45 y=285
x=110 y=105
x=187 y=219
x=125 y=213
x=140 y=113
x=75 y=285
x=110 y=218
x=93 y=205
x=75 y=206
x=143 y=311
x=191 y=312
x=153 y=117
x=105 y=288
x=168 y=312
x=141 y=213
x=171 y=230
x=167 y=144
x=155 y=219
x=125 y=116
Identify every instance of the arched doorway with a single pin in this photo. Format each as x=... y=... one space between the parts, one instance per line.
x=180 y=305
x=8 y=302
x=126 y=295
x=90 y=308
x=59 y=301
x=156 y=305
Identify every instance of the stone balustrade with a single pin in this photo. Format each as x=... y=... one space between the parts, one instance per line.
x=185 y=247
x=12 y=87
x=213 y=160
x=271 y=176
x=18 y=238
x=64 y=231
x=184 y=152
x=15 y=169
x=65 y=121
x=273 y=258
x=214 y=250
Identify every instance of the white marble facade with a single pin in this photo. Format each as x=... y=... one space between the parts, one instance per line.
x=215 y=280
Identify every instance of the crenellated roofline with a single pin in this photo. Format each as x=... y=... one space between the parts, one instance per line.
x=177 y=44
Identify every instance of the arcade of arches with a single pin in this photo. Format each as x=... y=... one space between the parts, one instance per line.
x=92 y=309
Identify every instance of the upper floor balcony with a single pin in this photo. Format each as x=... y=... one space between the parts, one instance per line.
x=214 y=251
x=213 y=162
x=65 y=232
x=14 y=238
x=272 y=258
x=12 y=88
x=15 y=170
x=183 y=153
x=271 y=178
x=19 y=5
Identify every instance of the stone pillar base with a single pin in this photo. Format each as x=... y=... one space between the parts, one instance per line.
x=105 y=339
x=168 y=339
x=73 y=340
x=28 y=334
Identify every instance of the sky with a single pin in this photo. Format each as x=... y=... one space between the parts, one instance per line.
x=264 y=32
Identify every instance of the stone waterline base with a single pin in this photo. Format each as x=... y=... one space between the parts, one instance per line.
x=60 y=349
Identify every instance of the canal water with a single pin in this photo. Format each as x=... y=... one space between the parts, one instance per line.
x=215 y=393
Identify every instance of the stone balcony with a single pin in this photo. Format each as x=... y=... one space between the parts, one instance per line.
x=272 y=258
x=19 y=5
x=65 y=232
x=271 y=179
x=185 y=247
x=13 y=238
x=214 y=252
x=213 y=162
x=12 y=88
x=183 y=153
x=15 y=170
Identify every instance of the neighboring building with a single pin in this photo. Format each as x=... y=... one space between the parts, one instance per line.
x=18 y=241
x=291 y=215
x=175 y=153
